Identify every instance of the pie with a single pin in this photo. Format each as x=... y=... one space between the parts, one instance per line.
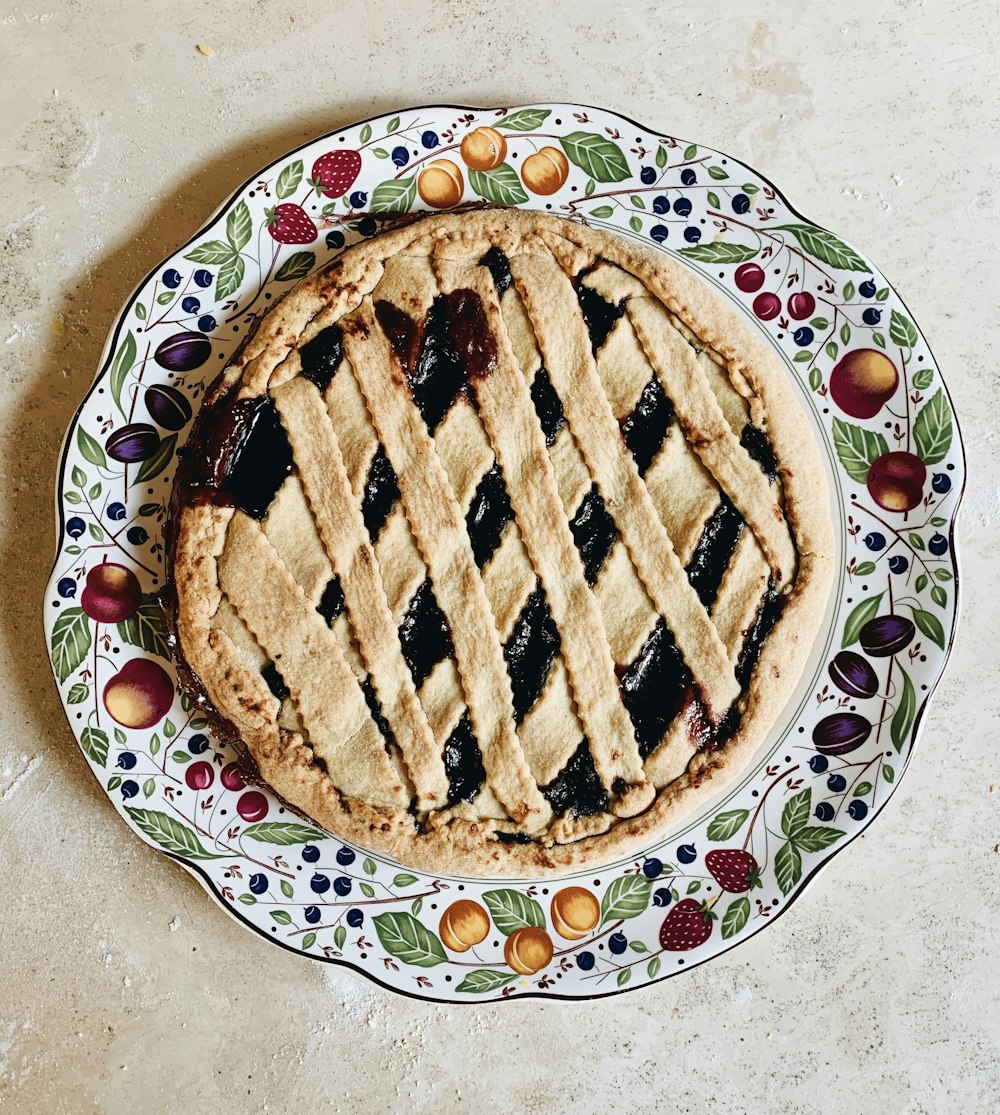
x=501 y=545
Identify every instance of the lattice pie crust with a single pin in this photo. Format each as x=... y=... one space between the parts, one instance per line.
x=501 y=544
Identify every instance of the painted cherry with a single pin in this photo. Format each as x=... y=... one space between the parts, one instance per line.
x=199 y=775
x=801 y=305
x=231 y=777
x=749 y=277
x=767 y=306
x=252 y=806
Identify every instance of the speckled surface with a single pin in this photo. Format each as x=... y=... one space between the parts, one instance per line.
x=125 y=988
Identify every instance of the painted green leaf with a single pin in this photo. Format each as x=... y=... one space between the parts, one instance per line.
x=78 y=476
x=861 y=613
x=366 y=134
x=484 y=980
x=848 y=290
x=247 y=899
x=309 y=940
x=902 y=719
x=637 y=946
x=941 y=574
x=94 y=742
x=140 y=311
x=862 y=790
x=512 y=910
x=73 y=498
x=394 y=196
x=283 y=833
x=524 y=120
x=288 y=180
x=340 y=936
x=297 y=266
x=713 y=200
x=826 y=247
x=166 y=297
x=787 y=866
x=367 y=890
x=921 y=583
x=120 y=737
x=653 y=967
x=590 y=187
x=864 y=568
x=145 y=628
x=286 y=888
x=596 y=155
x=939 y=596
x=661 y=156
x=404 y=880
x=169 y=729
x=693 y=887
x=623 y=977
x=815 y=378
x=212 y=251
x=901 y=330
x=602 y=211
x=501 y=185
x=70 y=641
x=95 y=532
x=736 y=916
x=795 y=815
x=380 y=153
x=845 y=333
x=930 y=625
x=154 y=743
x=282 y=917
x=158 y=462
x=418 y=905
x=831 y=349
x=369 y=866
x=393 y=125
x=820 y=323
x=727 y=824
x=90 y=449
x=717 y=173
x=406 y=939
x=120 y=368
x=888 y=773
x=229 y=278
x=916 y=541
x=857 y=448
x=750 y=188
x=637 y=201
x=627 y=897
x=635 y=223
x=148 y=788
x=95 y=491
x=690 y=151
x=932 y=431
x=170 y=834
x=719 y=253
x=78 y=694
x=180 y=757
x=816 y=838
x=239 y=226
x=923 y=378
x=878 y=339
x=882 y=295
x=114 y=782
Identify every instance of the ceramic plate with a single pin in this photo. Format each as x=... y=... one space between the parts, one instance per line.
x=868 y=384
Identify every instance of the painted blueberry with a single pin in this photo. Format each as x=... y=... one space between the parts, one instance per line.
x=129 y=788
x=803 y=336
x=585 y=961
x=941 y=482
x=836 y=783
x=190 y=305
x=335 y=240
x=741 y=204
x=818 y=764
x=938 y=545
x=400 y=156
x=659 y=233
x=319 y=884
x=202 y=277
x=898 y=564
x=75 y=527
x=688 y=176
x=172 y=278
x=652 y=868
x=430 y=140
x=136 y=535
x=116 y=511
x=692 y=235
x=206 y=323
x=355 y=918
x=824 y=811
x=662 y=896
x=875 y=540
x=661 y=204
x=867 y=289
x=648 y=175
x=310 y=853
x=126 y=760
x=618 y=943
x=67 y=588
x=858 y=810
x=198 y=744
x=871 y=316
x=342 y=886
x=258 y=883
x=687 y=853
x=367 y=226
x=682 y=207
x=311 y=914
x=358 y=199
x=345 y=857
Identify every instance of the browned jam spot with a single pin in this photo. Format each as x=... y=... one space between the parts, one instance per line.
x=715 y=548
x=530 y=651
x=499 y=267
x=599 y=314
x=763 y=624
x=644 y=428
x=576 y=789
x=654 y=688
x=463 y=763
x=754 y=441
x=470 y=333
x=321 y=357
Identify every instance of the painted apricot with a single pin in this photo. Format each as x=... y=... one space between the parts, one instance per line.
x=440 y=184
x=896 y=480
x=575 y=912
x=140 y=694
x=545 y=171
x=112 y=593
x=863 y=382
x=465 y=923
x=484 y=149
x=528 y=950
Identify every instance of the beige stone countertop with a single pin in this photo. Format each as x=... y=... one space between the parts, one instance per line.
x=123 y=986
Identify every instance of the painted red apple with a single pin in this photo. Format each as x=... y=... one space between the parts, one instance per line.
x=140 y=694
x=112 y=593
x=862 y=382
x=896 y=481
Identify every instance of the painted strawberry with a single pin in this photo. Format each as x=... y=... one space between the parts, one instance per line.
x=291 y=224
x=733 y=869
x=334 y=173
x=688 y=925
